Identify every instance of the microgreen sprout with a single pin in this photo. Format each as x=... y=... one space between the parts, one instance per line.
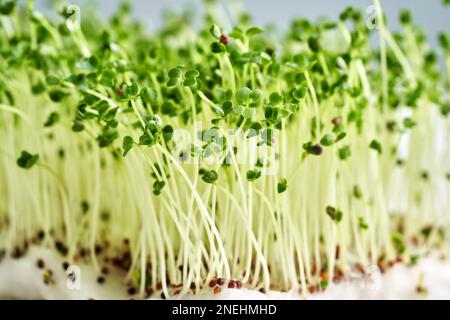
x=282 y=186
x=27 y=160
x=334 y=214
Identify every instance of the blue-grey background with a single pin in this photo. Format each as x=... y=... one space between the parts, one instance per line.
x=428 y=13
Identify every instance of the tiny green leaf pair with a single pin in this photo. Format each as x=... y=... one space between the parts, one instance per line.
x=27 y=160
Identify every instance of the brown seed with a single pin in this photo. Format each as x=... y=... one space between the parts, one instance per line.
x=238 y=284
x=421 y=289
x=338 y=275
x=47 y=277
x=105 y=270
x=126 y=263
x=193 y=286
x=65 y=265
x=338 y=252
x=231 y=284
x=101 y=280
x=212 y=283
x=220 y=281
x=40 y=264
x=61 y=247
x=17 y=253
x=117 y=262
x=131 y=291
x=217 y=290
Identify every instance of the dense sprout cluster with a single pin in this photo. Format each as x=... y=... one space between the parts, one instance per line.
x=308 y=156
